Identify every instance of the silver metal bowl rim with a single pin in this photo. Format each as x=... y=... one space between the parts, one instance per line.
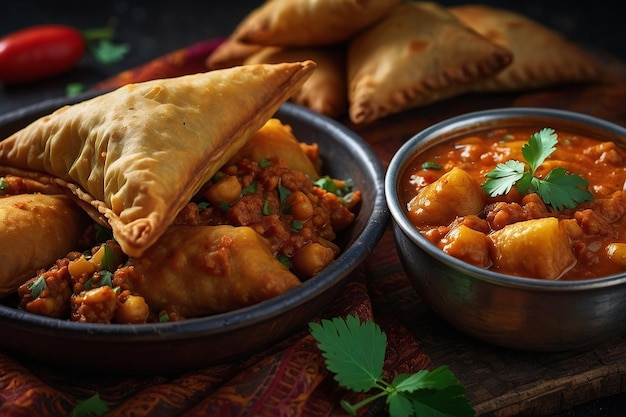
x=401 y=158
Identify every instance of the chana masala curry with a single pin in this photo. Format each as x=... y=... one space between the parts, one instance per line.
x=166 y=200
x=530 y=202
x=265 y=222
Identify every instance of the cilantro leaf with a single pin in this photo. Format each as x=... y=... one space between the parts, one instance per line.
x=431 y=165
x=37 y=286
x=92 y=406
x=355 y=353
x=558 y=188
x=107 y=52
x=502 y=178
x=109 y=259
x=562 y=190
x=436 y=379
x=539 y=147
x=449 y=401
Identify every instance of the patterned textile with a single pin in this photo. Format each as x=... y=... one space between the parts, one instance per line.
x=288 y=379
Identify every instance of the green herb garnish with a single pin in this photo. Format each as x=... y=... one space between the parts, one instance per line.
x=250 y=189
x=92 y=406
x=284 y=259
x=101 y=46
x=72 y=89
x=330 y=185
x=264 y=163
x=355 y=353
x=109 y=259
x=296 y=225
x=283 y=192
x=558 y=189
x=431 y=165
x=266 y=206
x=3 y=184
x=107 y=52
x=164 y=317
x=106 y=279
x=37 y=286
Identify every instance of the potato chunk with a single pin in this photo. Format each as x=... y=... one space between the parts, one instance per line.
x=454 y=194
x=468 y=245
x=537 y=248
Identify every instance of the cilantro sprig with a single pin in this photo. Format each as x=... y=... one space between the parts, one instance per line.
x=355 y=353
x=558 y=188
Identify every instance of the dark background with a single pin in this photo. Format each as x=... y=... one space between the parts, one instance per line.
x=154 y=28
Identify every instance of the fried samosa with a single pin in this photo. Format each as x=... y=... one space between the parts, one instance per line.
x=35 y=231
x=419 y=54
x=309 y=22
x=326 y=90
x=542 y=56
x=231 y=53
x=202 y=270
x=139 y=153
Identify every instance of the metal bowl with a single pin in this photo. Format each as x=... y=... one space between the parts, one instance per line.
x=188 y=344
x=509 y=311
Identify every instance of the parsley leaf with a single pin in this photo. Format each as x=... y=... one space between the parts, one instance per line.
x=558 y=188
x=355 y=353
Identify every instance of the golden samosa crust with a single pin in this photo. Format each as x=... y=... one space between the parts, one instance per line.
x=139 y=153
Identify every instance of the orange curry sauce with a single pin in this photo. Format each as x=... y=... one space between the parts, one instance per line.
x=590 y=240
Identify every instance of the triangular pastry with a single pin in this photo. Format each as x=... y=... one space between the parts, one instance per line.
x=139 y=153
x=230 y=53
x=309 y=22
x=325 y=91
x=419 y=54
x=542 y=56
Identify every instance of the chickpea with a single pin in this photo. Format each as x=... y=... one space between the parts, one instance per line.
x=133 y=309
x=311 y=259
x=227 y=189
x=301 y=207
x=617 y=253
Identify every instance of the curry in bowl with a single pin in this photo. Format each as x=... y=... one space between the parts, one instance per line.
x=522 y=200
x=172 y=199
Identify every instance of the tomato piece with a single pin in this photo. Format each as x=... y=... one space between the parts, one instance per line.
x=39 y=52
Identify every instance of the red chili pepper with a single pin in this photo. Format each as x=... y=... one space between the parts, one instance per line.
x=39 y=52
